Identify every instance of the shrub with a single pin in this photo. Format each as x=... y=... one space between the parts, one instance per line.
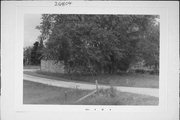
x=111 y=92
x=154 y=72
x=105 y=97
x=140 y=71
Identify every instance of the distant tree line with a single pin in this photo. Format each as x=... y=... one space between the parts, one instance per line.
x=33 y=54
x=98 y=43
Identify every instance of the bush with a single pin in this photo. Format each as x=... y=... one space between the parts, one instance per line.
x=111 y=92
x=154 y=72
x=105 y=97
x=140 y=71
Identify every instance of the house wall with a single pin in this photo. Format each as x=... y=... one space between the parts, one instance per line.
x=52 y=66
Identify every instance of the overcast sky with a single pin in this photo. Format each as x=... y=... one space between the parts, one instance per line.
x=30 y=33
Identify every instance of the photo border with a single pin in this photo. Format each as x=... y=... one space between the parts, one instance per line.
x=21 y=11
x=138 y=8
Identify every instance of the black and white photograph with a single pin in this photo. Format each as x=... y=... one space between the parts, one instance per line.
x=77 y=59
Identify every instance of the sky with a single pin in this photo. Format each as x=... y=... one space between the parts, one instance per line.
x=30 y=33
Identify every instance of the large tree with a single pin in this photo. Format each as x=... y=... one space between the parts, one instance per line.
x=99 y=43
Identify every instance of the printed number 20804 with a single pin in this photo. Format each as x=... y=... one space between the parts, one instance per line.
x=62 y=3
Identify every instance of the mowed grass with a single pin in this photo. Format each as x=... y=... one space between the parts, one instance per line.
x=36 y=93
x=125 y=79
x=121 y=98
x=31 y=67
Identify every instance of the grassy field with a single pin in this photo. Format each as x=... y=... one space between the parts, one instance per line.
x=36 y=93
x=31 y=67
x=121 y=98
x=131 y=80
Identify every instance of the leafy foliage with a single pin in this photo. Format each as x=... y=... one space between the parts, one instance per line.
x=33 y=55
x=27 y=56
x=100 y=43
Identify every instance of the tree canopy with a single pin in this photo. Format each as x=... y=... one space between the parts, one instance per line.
x=100 y=43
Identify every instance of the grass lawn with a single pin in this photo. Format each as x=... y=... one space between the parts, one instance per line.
x=122 y=98
x=36 y=93
x=31 y=67
x=125 y=79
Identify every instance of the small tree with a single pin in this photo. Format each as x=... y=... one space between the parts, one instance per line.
x=36 y=53
x=27 y=56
